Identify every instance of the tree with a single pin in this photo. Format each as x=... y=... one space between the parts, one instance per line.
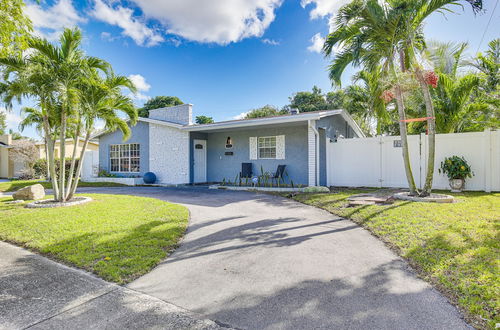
x=308 y=101
x=265 y=111
x=71 y=90
x=489 y=66
x=3 y=123
x=15 y=27
x=25 y=152
x=204 y=120
x=374 y=34
x=159 y=102
x=459 y=105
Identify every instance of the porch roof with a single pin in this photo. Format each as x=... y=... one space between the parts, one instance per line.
x=285 y=119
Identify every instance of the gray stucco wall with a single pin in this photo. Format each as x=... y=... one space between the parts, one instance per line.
x=140 y=134
x=220 y=166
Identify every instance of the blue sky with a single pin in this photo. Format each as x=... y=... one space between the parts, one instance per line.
x=227 y=56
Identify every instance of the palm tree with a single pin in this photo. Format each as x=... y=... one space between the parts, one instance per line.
x=63 y=80
x=101 y=99
x=375 y=33
x=489 y=65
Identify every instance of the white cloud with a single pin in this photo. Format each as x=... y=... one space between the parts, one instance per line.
x=49 y=22
x=317 y=42
x=142 y=87
x=139 y=82
x=323 y=8
x=241 y=115
x=133 y=27
x=12 y=119
x=221 y=21
x=270 y=42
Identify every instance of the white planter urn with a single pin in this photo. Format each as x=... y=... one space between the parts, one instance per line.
x=457 y=185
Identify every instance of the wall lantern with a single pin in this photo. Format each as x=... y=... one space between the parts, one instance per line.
x=229 y=143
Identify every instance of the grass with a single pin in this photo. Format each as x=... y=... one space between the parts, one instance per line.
x=117 y=237
x=454 y=246
x=18 y=184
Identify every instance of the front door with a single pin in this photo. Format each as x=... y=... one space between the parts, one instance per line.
x=200 y=161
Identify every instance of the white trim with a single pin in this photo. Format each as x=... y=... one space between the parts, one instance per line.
x=264 y=121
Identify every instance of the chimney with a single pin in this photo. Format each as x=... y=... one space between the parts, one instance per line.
x=179 y=114
x=294 y=111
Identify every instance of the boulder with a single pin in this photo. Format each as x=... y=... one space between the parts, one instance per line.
x=33 y=192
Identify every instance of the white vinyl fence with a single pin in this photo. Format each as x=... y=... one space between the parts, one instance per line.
x=378 y=161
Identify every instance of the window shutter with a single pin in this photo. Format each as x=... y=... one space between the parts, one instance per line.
x=252 y=143
x=280 y=147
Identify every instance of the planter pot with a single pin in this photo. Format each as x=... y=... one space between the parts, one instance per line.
x=457 y=185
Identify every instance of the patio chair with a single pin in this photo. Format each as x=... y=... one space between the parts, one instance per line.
x=279 y=173
x=246 y=170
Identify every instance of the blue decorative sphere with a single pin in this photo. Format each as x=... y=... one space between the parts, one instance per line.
x=149 y=178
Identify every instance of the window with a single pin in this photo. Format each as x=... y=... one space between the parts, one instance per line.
x=124 y=157
x=267 y=147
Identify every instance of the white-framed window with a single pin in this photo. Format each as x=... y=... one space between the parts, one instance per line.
x=266 y=147
x=124 y=157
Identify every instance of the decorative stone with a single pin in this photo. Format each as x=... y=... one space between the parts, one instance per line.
x=433 y=198
x=49 y=203
x=33 y=192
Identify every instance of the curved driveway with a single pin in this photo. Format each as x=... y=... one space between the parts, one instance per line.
x=255 y=261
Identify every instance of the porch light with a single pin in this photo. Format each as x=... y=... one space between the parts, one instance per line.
x=229 y=143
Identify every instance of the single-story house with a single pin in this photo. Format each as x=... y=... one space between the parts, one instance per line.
x=68 y=148
x=180 y=152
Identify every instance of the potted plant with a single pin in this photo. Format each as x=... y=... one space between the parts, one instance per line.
x=457 y=169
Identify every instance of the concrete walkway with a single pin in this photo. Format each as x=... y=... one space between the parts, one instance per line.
x=38 y=293
x=255 y=261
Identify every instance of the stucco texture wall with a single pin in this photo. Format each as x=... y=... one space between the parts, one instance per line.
x=169 y=150
x=140 y=134
x=220 y=166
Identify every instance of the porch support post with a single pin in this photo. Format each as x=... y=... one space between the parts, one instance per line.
x=312 y=148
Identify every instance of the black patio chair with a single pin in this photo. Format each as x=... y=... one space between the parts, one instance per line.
x=246 y=170
x=279 y=173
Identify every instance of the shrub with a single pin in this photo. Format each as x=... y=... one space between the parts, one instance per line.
x=456 y=168
x=316 y=189
x=40 y=167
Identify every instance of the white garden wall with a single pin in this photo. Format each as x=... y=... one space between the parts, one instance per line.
x=378 y=161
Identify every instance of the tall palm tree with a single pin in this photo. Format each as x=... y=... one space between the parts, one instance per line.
x=101 y=98
x=375 y=33
x=63 y=79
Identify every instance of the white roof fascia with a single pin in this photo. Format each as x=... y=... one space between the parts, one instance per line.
x=263 y=121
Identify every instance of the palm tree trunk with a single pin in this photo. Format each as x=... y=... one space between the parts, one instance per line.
x=50 y=157
x=73 y=160
x=431 y=131
x=79 y=167
x=404 y=141
x=402 y=129
x=62 y=160
x=47 y=170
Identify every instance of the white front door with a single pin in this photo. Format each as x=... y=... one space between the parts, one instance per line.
x=200 y=161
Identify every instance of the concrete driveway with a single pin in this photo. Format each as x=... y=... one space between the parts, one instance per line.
x=255 y=261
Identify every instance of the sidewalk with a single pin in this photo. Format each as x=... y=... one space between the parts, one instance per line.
x=38 y=293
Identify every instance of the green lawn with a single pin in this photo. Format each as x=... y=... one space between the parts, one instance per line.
x=116 y=237
x=455 y=246
x=18 y=184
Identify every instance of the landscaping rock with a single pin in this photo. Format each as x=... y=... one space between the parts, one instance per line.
x=33 y=192
x=316 y=189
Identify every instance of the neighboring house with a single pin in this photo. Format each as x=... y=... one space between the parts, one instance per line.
x=68 y=151
x=9 y=168
x=178 y=152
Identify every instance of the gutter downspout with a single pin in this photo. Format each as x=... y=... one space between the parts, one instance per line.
x=316 y=133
